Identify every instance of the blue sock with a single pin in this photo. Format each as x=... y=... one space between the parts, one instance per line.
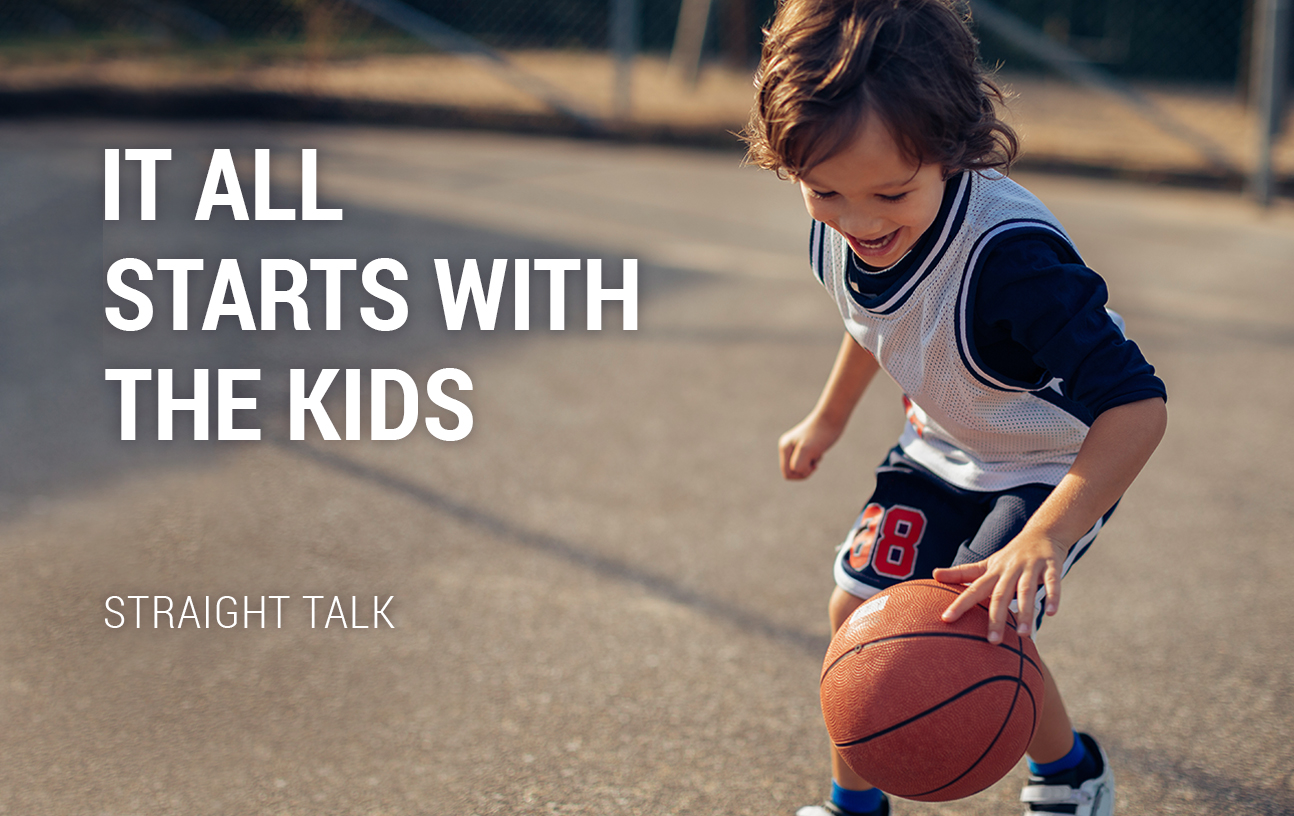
x=863 y=801
x=1073 y=759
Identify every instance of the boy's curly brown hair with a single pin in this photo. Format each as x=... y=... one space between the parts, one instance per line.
x=827 y=64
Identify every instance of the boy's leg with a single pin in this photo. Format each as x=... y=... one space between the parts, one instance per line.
x=850 y=793
x=915 y=523
x=1069 y=772
x=841 y=607
x=1055 y=735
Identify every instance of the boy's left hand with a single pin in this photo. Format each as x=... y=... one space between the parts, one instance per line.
x=1012 y=573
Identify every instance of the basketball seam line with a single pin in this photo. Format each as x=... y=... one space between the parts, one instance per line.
x=915 y=717
x=1020 y=684
x=1018 y=680
x=859 y=647
x=996 y=737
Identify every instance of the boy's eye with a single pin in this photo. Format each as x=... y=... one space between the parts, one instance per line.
x=820 y=196
x=898 y=197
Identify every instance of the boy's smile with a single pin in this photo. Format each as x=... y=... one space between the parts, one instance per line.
x=874 y=196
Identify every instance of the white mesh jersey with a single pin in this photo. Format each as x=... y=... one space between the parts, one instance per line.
x=965 y=424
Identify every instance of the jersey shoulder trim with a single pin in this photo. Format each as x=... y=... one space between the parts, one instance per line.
x=1011 y=228
x=819 y=234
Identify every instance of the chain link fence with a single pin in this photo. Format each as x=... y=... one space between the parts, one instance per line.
x=1145 y=87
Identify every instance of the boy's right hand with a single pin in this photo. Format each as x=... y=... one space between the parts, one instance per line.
x=801 y=448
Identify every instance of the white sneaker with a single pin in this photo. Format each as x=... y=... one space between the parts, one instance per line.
x=1066 y=793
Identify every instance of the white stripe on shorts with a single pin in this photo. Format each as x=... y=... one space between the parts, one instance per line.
x=1075 y=552
x=848 y=582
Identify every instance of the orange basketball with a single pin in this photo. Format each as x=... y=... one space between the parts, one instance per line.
x=924 y=709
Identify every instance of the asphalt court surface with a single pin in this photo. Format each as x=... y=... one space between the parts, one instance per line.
x=605 y=600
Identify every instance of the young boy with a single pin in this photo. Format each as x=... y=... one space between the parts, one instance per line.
x=1028 y=412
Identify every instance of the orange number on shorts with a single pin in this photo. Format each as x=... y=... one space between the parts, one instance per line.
x=894 y=553
x=870 y=522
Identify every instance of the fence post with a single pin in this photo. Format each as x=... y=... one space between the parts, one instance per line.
x=1271 y=52
x=624 y=43
x=689 y=40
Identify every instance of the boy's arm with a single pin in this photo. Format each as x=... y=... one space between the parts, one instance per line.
x=1117 y=446
x=800 y=448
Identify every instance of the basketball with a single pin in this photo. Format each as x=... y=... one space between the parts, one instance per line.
x=925 y=709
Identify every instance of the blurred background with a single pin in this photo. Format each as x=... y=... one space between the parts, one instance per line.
x=1190 y=91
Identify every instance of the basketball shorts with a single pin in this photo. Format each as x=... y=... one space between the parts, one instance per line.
x=915 y=522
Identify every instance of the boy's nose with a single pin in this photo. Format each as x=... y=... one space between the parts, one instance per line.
x=863 y=225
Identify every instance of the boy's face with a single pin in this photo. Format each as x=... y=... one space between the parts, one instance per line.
x=874 y=196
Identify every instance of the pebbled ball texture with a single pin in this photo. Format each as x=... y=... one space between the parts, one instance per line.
x=924 y=709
